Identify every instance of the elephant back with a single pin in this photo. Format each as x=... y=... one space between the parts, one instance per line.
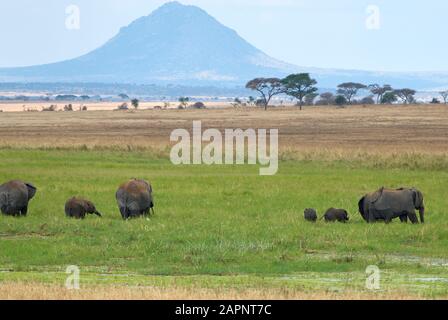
x=16 y=190
x=136 y=187
x=74 y=208
x=135 y=191
x=395 y=199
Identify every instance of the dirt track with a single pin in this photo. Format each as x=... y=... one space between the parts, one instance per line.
x=379 y=128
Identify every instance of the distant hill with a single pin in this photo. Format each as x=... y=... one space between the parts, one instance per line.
x=182 y=44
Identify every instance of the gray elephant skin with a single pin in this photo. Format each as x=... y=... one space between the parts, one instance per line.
x=15 y=196
x=310 y=215
x=78 y=208
x=333 y=215
x=135 y=199
x=388 y=204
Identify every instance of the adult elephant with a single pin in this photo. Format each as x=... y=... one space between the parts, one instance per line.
x=388 y=204
x=135 y=199
x=15 y=196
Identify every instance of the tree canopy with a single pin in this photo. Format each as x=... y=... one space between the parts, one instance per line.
x=406 y=94
x=299 y=86
x=267 y=87
x=350 y=90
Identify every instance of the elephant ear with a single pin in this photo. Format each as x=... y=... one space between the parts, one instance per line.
x=31 y=190
x=377 y=195
x=148 y=185
x=418 y=198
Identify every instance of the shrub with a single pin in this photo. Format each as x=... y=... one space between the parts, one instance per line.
x=340 y=100
x=368 y=100
x=198 y=105
x=123 y=106
x=53 y=107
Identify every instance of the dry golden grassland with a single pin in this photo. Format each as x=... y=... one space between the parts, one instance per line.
x=372 y=129
x=37 y=291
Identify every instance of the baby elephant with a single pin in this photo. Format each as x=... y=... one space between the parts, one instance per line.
x=78 y=208
x=333 y=215
x=310 y=215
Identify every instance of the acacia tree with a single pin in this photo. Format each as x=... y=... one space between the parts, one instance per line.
x=444 y=95
x=327 y=98
x=350 y=90
x=299 y=86
x=184 y=102
x=135 y=103
x=309 y=98
x=267 y=87
x=380 y=91
x=406 y=95
x=389 y=98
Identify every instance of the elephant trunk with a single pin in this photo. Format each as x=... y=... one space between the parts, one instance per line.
x=98 y=214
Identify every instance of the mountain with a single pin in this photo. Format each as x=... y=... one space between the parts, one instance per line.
x=175 y=43
x=179 y=44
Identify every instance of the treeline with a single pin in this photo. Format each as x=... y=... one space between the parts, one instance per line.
x=303 y=88
x=153 y=91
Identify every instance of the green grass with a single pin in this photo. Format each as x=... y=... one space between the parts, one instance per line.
x=222 y=222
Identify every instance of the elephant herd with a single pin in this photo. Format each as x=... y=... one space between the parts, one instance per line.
x=134 y=199
x=381 y=205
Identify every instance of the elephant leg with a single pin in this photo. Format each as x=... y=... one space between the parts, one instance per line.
x=413 y=217
x=404 y=219
x=124 y=213
x=24 y=211
x=135 y=213
x=14 y=212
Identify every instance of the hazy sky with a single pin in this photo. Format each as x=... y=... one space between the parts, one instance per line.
x=392 y=35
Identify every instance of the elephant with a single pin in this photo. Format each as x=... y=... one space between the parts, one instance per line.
x=135 y=199
x=78 y=208
x=310 y=215
x=15 y=196
x=333 y=215
x=388 y=204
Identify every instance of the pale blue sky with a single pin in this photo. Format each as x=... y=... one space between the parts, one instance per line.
x=314 y=33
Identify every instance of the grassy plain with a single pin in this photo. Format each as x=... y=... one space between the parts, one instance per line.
x=225 y=231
